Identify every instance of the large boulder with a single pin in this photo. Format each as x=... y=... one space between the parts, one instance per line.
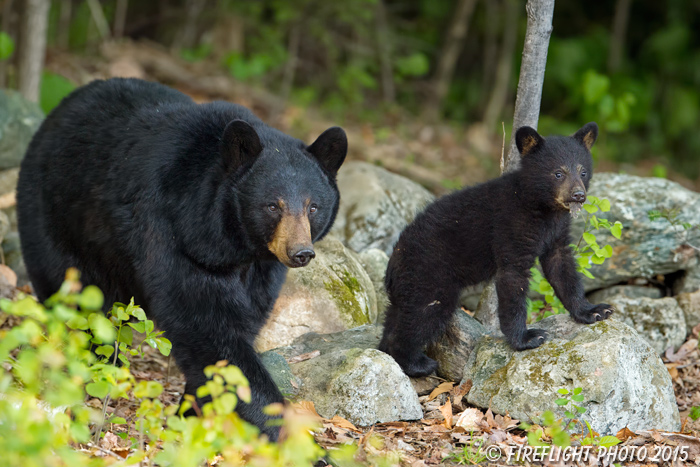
x=453 y=348
x=19 y=120
x=343 y=375
x=658 y=320
x=690 y=304
x=647 y=248
x=375 y=206
x=331 y=294
x=624 y=381
x=375 y=262
x=630 y=291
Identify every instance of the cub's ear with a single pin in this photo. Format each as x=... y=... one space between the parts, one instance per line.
x=240 y=144
x=527 y=139
x=330 y=148
x=587 y=134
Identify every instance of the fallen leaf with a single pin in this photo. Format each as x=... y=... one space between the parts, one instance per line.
x=447 y=413
x=672 y=370
x=306 y=407
x=9 y=275
x=303 y=357
x=339 y=421
x=469 y=419
x=441 y=389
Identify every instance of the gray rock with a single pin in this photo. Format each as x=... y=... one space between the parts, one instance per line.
x=362 y=337
x=660 y=321
x=689 y=281
x=454 y=347
x=13 y=257
x=362 y=386
x=625 y=383
x=331 y=294
x=690 y=304
x=629 y=291
x=282 y=375
x=375 y=261
x=375 y=206
x=19 y=120
x=647 y=248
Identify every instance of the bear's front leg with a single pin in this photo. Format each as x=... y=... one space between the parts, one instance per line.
x=560 y=270
x=512 y=286
x=193 y=355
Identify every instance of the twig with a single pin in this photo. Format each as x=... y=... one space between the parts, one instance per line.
x=106 y=451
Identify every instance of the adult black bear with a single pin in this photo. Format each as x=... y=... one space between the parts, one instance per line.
x=495 y=229
x=194 y=210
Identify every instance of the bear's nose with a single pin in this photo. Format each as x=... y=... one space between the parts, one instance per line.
x=302 y=258
x=579 y=196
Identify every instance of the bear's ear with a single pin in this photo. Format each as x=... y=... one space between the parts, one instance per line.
x=330 y=148
x=240 y=144
x=587 y=134
x=527 y=139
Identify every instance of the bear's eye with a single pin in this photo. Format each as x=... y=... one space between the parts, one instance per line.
x=558 y=175
x=313 y=208
x=272 y=207
x=583 y=174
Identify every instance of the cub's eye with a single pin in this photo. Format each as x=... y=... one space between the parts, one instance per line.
x=558 y=175
x=313 y=208
x=583 y=174
x=272 y=207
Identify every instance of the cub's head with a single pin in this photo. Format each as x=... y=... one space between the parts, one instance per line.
x=286 y=192
x=558 y=169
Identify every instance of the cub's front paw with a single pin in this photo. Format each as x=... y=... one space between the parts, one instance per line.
x=593 y=314
x=532 y=338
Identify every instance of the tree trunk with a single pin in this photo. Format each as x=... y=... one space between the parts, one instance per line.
x=32 y=47
x=499 y=94
x=290 y=68
x=98 y=16
x=188 y=38
x=384 y=47
x=527 y=111
x=5 y=23
x=447 y=60
x=65 y=14
x=617 y=39
x=120 y=18
x=493 y=20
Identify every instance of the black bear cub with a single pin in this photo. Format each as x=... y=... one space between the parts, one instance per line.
x=194 y=210
x=495 y=229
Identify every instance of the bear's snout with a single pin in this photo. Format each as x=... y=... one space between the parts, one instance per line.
x=302 y=257
x=578 y=196
x=291 y=242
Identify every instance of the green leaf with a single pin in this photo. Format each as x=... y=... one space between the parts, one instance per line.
x=604 y=205
x=654 y=215
x=589 y=238
x=563 y=391
x=561 y=401
x=590 y=208
x=608 y=441
x=577 y=397
x=616 y=230
x=578 y=391
x=562 y=439
x=164 y=345
x=117 y=420
x=138 y=312
x=53 y=89
x=7 y=46
x=101 y=328
x=105 y=350
x=78 y=322
x=91 y=298
x=580 y=410
x=126 y=335
x=99 y=389
x=607 y=251
x=149 y=326
x=598 y=259
x=587 y=273
x=138 y=327
x=694 y=413
x=569 y=414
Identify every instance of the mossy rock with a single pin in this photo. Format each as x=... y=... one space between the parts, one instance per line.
x=331 y=294
x=625 y=383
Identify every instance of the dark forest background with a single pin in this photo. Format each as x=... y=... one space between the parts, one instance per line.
x=631 y=65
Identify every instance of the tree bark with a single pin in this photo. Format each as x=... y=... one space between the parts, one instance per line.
x=499 y=94
x=64 y=18
x=32 y=47
x=493 y=21
x=384 y=47
x=527 y=111
x=188 y=37
x=98 y=16
x=447 y=60
x=5 y=22
x=120 y=18
x=617 y=39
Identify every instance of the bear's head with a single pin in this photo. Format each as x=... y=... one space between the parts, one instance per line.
x=286 y=191
x=556 y=170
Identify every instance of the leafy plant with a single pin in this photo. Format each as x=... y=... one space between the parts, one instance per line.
x=7 y=46
x=53 y=89
x=586 y=252
x=471 y=453
x=694 y=413
x=48 y=367
x=671 y=215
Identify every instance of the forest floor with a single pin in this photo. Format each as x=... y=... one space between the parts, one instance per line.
x=441 y=157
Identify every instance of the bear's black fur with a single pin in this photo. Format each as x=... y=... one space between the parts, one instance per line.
x=495 y=229
x=194 y=210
